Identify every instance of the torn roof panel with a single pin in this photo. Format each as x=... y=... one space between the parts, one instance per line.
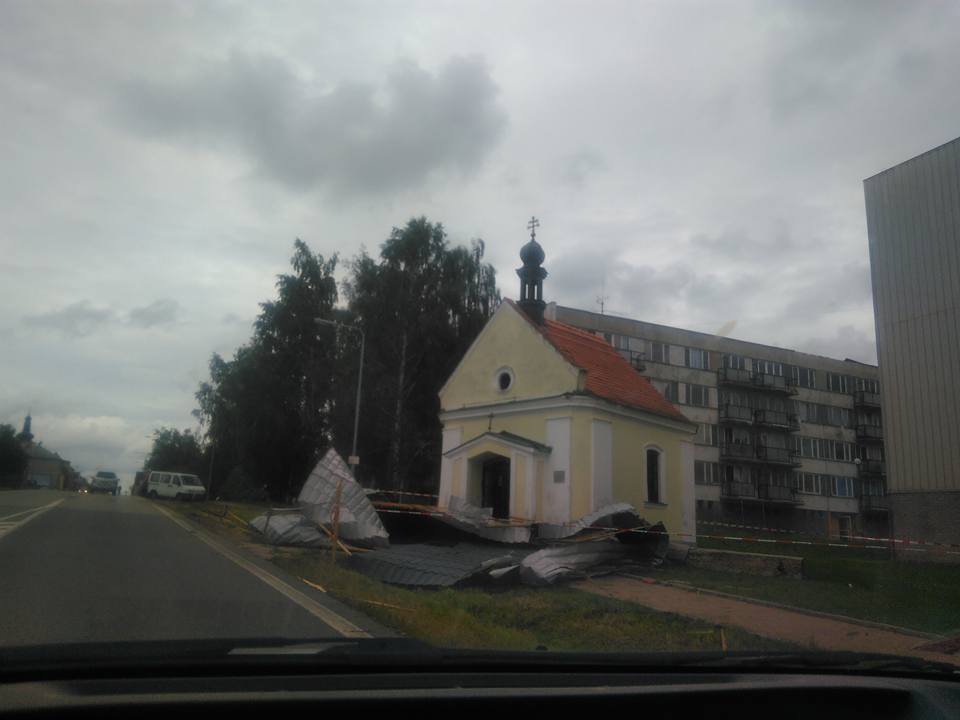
x=431 y=565
x=359 y=522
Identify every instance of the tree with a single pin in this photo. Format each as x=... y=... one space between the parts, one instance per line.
x=175 y=451
x=421 y=306
x=267 y=410
x=274 y=408
x=13 y=458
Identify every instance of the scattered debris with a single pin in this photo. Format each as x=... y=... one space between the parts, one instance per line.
x=359 y=522
x=480 y=522
x=564 y=562
x=313 y=585
x=434 y=565
x=289 y=529
x=622 y=516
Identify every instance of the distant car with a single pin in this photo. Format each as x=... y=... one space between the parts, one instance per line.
x=105 y=481
x=178 y=486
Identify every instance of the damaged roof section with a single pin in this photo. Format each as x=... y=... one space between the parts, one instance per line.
x=433 y=565
x=359 y=522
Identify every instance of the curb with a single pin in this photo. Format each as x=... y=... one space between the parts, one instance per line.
x=793 y=608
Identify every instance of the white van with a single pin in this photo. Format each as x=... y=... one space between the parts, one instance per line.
x=179 y=486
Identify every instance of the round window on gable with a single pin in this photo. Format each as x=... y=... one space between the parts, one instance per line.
x=504 y=379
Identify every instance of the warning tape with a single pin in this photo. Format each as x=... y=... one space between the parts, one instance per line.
x=744 y=527
x=403 y=492
x=612 y=531
x=865 y=538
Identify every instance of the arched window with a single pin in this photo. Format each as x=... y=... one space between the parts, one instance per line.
x=653 y=476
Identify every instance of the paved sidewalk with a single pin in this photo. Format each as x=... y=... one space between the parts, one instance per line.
x=794 y=627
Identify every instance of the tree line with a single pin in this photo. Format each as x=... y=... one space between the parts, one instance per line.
x=270 y=412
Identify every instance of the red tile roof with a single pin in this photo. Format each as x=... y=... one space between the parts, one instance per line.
x=609 y=375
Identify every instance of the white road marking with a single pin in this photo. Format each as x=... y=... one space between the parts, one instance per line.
x=7 y=525
x=328 y=616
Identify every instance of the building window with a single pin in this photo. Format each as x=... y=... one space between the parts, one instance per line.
x=504 y=379
x=696 y=358
x=672 y=391
x=660 y=352
x=768 y=367
x=620 y=342
x=706 y=473
x=707 y=434
x=843 y=487
x=838 y=383
x=871 y=386
x=803 y=377
x=807 y=483
x=737 y=362
x=653 y=476
x=698 y=395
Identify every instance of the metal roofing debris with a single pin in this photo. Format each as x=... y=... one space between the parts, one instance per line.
x=617 y=515
x=546 y=566
x=479 y=521
x=359 y=522
x=289 y=529
x=433 y=565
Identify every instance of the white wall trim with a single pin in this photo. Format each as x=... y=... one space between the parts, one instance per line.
x=565 y=402
x=601 y=463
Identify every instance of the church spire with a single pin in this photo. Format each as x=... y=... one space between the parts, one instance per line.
x=25 y=434
x=532 y=275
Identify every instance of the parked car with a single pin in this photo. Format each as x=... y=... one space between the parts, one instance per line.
x=105 y=481
x=179 y=486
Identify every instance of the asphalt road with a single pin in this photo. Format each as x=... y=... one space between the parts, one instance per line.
x=97 y=568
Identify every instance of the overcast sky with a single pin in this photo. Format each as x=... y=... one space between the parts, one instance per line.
x=700 y=162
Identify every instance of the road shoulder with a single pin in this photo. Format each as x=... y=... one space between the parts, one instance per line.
x=347 y=621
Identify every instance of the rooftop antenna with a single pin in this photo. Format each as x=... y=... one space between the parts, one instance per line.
x=603 y=297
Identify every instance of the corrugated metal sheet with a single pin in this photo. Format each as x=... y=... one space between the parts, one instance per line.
x=432 y=565
x=359 y=522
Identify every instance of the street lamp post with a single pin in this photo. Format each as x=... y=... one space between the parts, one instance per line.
x=354 y=460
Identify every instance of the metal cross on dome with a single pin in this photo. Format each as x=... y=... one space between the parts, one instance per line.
x=532 y=227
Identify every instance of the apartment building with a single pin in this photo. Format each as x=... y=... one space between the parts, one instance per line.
x=913 y=226
x=787 y=440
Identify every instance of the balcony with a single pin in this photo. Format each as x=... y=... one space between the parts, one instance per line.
x=738 y=451
x=736 y=414
x=774 y=383
x=778 y=455
x=778 y=494
x=739 y=490
x=874 y=504
x=862 y=398
x=872 y=467
x=869 y=433
x=776 y=419
x=734 y=376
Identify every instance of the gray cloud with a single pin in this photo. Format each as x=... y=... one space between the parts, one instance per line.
x=575 y=169
x=351 y=137
x=159 y=312
x=77 y=320
x=857 y=344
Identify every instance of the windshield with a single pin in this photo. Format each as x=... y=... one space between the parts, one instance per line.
x=616 y=327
